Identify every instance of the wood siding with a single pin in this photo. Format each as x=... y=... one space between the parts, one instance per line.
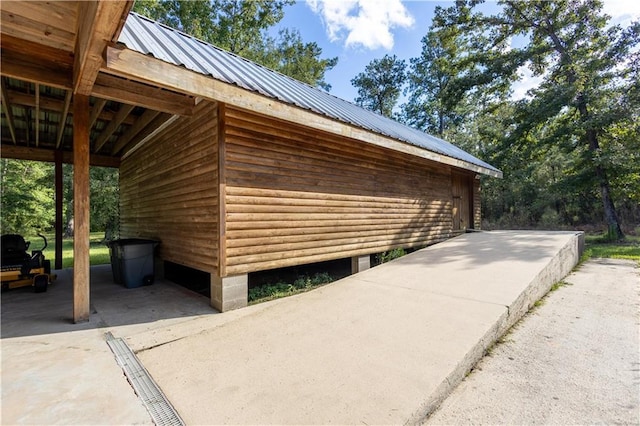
x=477 y=210
x=169 y=190
x=296 y=195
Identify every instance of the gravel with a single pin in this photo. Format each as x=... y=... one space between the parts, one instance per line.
x=575 y=359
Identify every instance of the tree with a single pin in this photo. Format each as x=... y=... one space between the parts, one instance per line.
x=27 y=196
x=431 y=107
x=584 y=66
x=380 y=85
x=289 y=55
x=105 y=198
x=241 y=27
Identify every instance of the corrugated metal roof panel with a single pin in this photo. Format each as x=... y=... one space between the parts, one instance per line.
x=152 y=38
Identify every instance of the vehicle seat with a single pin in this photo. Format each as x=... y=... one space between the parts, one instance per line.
x=14 y=250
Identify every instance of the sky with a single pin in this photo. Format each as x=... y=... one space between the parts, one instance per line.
x=358 y=31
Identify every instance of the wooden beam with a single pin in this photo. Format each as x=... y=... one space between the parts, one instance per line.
x=57 y=105
x=96 y=110
x=7 y=110
x=59 y=202
x=222 y=192
x=48 y=155
x=113 y=125
x=137 y=127
x=33 y=62
x=81 y=264
x=63 y=118
x=130 y=64
x=135 y=93
x=37 y=129
x=156 y=126
x=98 y=22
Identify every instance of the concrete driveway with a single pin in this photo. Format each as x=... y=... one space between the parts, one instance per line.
x=383 y=346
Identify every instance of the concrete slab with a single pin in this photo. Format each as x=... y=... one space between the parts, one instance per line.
x=57 y=372
x=383 y=346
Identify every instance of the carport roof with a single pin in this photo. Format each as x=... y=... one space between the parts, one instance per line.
x=151 y=38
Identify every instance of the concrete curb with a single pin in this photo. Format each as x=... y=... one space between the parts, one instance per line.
x=557 y=268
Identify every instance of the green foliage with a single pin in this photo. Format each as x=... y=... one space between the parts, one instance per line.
x=289 y=55
x=241 y=27
x=601 y=246
x=105 y=198
x=388 y=256
x=568 y=144
x=380 y=85
x=98 y=251
x=436 y=103
x=280 y=289
x=27 y=196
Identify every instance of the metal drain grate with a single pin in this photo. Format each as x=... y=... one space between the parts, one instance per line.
x=160 y=409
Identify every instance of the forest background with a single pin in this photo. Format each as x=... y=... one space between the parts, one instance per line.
x=569 y=149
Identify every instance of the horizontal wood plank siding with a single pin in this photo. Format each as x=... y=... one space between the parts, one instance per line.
x=477 y=210
x=296 y=195
x=169 y=191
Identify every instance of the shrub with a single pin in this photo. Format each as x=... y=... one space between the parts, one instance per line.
x=388 y=256
x=280 y=289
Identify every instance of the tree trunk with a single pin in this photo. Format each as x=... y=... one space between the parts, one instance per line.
x=614 y=231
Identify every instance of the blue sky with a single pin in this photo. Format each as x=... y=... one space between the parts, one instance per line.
x=358 y=31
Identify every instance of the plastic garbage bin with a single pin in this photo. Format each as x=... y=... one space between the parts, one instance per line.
x=132 y=261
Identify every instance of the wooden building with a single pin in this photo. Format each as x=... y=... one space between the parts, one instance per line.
x=234 y=167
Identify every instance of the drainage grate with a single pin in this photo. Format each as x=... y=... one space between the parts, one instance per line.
x=160 y=409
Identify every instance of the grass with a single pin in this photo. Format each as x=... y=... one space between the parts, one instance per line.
x=280 y=289
x=599 y=246
x=98 y=251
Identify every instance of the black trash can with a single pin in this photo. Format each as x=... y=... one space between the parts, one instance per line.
x=132 y=261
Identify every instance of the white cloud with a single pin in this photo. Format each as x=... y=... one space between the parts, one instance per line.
x=622 y=11
x=526 y=82
x=366 y=23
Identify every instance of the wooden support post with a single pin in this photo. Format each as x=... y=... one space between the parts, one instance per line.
x=81 y=284
x=222 y=195
x=59 y=219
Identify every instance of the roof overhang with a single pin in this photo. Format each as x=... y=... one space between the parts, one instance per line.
x=124 y=62
x=53 y=51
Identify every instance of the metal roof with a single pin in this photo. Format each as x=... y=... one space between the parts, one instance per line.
x=167 y=44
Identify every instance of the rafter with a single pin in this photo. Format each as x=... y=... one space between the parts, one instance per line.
x=130 y=92
x=95 y=112
x=156 y=126
x=136 y=128
x=57 y=105
x=63 y=118
x=7 y=110
x=37 y=129
x=98 y=24
x=113 y=125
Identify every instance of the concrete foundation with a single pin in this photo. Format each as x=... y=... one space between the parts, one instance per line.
x=360 y=263
x=228 y=293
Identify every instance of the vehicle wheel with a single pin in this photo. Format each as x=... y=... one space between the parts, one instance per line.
x=40 y=283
